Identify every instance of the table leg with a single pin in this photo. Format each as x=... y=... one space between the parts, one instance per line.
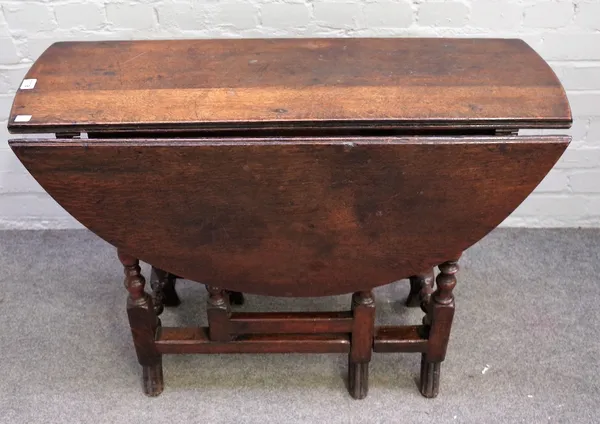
x=421 y=287
x=361 y=344
x=219 y=312
x=440 y=315
x=163 y=290
x=144 y=323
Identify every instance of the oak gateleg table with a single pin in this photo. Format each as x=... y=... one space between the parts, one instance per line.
x=290 y=167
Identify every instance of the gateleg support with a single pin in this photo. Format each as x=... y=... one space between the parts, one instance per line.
x=219 y=313
x=361 y=343
x=421 y=288
x=144 y=324
x=440 y=313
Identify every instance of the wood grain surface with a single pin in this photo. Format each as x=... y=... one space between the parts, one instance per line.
x=297 y=216
x=278 y=83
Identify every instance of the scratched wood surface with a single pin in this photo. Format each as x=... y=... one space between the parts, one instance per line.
x=178 y=84
x=292 y=217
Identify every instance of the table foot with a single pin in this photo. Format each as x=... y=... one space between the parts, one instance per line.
x=358 y=379
x=430 y=378
x=236 y=298
x=152 y=379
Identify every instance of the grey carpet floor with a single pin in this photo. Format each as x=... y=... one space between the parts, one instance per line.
x=525 y=346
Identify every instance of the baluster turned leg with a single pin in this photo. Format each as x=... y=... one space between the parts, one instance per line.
x=144 y=323
x=421 y=287
x=361 y=345
x=440 y=313
x=163 y=290
x=218 y=311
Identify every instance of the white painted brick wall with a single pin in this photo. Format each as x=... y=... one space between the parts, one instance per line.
x=237 y=16
x=131 y=16
x=80 y=15
x=181 y=15
x=579 y=76
x=587 y=15
x=496 y=15
x=285 y=16
x=548 y=14
x=338 y=15
x=387 y=14
x=443 y=14
x=29 y=16
x=8 y=51
x=565 y=33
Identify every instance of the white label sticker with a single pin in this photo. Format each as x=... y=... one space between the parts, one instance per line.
x=22 y=118
x=28 y=84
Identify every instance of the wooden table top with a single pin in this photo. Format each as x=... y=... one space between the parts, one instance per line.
x=351 y=83
x=293 y=217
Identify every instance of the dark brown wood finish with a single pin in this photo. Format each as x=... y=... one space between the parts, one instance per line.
x=305 y=167
x=421 y=288
x=440 y=313
x=363 y=310
x=163 y=290
x=144 y=324
x=409 y=338
x=218 y=311
x=99 y=86
x=328 y=216
x=427 y=288
x=285 y=322
x=196 y=340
